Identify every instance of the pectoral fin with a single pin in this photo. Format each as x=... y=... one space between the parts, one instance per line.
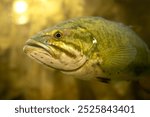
x=118 y=58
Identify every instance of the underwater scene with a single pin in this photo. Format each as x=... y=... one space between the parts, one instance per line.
x=102 y=53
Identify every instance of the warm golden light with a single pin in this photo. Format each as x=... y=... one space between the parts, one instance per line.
x=20 y=13
x=22 y=20
x=20 y=6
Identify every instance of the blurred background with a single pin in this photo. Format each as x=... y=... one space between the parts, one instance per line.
x=23 y=78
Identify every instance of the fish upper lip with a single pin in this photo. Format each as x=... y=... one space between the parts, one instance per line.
x=31 y=42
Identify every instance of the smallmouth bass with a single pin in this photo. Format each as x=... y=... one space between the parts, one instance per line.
x=91 y=48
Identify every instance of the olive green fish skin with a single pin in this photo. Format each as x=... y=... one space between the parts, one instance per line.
x=106 y=49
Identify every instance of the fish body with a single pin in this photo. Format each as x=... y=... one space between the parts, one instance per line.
x=91 y=48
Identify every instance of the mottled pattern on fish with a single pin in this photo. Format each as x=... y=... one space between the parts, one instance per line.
x=91 y=48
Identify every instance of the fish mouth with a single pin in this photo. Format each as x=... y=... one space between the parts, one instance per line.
x=32 y=45
x=45 y=47
x=45 y=54
x=35 y=44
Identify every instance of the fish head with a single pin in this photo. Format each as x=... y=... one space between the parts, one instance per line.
x=64 y=47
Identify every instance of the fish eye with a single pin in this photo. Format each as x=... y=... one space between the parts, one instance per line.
x=58 y=35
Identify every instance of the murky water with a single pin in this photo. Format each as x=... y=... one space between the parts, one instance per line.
x=23 y=78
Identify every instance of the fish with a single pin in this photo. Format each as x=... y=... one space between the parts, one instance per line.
x=91 y=48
